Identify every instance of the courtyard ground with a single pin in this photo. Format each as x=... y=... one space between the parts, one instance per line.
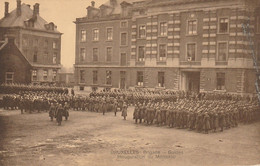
x=91 y=139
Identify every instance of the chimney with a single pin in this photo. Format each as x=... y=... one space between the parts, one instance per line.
x=36 y=9
x=6 y=9
x=93 y=3
x=18 y=9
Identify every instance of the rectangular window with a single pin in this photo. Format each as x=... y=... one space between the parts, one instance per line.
x=160 y=79
x=163 y=29
x=54 y=58
x=45 y=75
x=54 y=45
x=223 y=25
x=54 y=75
x=46 y=44
x=222 y=52
x=142 y=31
x=123 y=39
x=36 y=43
x=25 y=42
x=192 y=27
x=82 y=76
x=30 y=42
x=34 y=75
x=83 y=36
x=95 y=54
x=162 y=52
x=123 y=24
x=35 y=57
x=109 y=54
x=82 y=54
x=109 y=33
x=220 y=81
x=191 y=52
x=95 y=35
x=45 y=57
x=258 y=24
x=9 y=77
x=258 y=51
x=122 y=79
x=123 y=59
x=140 y=78
x=95 y=77
x=141 y=52
x=108 y=77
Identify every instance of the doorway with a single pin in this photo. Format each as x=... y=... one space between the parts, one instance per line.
x=122 y=80
x=190 y=81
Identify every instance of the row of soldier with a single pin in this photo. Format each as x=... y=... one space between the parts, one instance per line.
x=55 y=103
x=203 y=115
x=108 y=100
x=16 y=88
x=178 y=109
x=141 y=95
x=33 y=101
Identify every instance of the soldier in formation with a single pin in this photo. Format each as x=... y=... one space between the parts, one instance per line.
x=16 y=88
x=198 y=115
x=33 y=101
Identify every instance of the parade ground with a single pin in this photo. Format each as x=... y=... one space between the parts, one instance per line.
x=91 y=139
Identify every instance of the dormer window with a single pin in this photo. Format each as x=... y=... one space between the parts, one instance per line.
x=31 y=24
x=50 y=26
x=125 y=8
x=142 y=12
x=105 y=10
x=124 y=12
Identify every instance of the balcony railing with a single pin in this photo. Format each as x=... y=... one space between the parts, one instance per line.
x=139 y=63
x=191 y=63
x=161 y=63
x=221 y=63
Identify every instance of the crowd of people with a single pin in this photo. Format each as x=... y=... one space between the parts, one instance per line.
x=194 y=111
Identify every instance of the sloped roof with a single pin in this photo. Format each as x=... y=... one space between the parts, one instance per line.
x=172 y=2
x=12 y=20
x=118 y=9
x=4 y=44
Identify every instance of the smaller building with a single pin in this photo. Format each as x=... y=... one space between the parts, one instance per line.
x=38 y=40
x=14 y=67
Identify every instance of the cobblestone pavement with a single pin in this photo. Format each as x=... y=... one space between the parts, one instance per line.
x=91 y=139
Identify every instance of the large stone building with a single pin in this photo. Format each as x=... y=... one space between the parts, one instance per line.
x=38 y=41
x=196 y=45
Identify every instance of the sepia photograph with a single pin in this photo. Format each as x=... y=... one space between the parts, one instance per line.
x=129 y=82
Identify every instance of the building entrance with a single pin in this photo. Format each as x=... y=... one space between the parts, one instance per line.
x=190 y=81
x=122 y=79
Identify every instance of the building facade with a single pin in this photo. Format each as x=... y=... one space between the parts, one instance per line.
x=38 y=40
x=180 y=45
